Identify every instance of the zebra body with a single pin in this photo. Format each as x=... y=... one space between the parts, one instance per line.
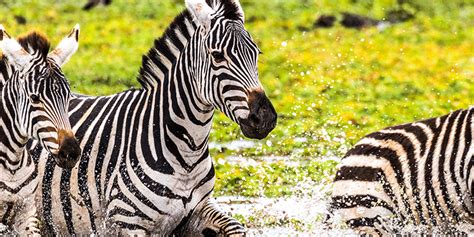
x=146 y=167
x=413 y=174
x=33 y=104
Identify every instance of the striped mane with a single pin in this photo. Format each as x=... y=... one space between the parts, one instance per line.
x=31 y=42
x=227 y=8
x=157 y=63
x=35 y=42
x=4 y=75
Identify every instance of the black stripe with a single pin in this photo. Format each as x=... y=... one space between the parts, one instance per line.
x=84 y=161
x=358 y=173
x=120 y=211
x=379 y=152
x=105 y=136
x=442 y=179
x=46 y=195
x=412 y=162
x=65 y=189
x=351 y=201
x=114 y=158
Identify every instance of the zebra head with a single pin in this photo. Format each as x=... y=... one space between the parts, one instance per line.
x=226 y=73
x=42 y=92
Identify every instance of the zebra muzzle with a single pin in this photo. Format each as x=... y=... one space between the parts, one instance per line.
x=69 y=150
x=262 y=117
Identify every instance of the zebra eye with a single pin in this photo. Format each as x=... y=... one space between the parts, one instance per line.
x=218 y=56
x=35 y=99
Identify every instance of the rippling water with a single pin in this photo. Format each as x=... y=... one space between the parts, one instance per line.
x=295 y=216
x=299 y=215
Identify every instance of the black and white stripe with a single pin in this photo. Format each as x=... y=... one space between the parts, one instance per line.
x=33 y=105
x=413 y=174
x=146 y=167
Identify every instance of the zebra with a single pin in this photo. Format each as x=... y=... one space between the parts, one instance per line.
x=145 y=166
x=93 y=3
x=418 y=174
x=34 y=101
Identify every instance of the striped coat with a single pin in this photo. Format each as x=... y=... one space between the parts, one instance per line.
x=146 y=167
x=33 y=105
x=418 y=173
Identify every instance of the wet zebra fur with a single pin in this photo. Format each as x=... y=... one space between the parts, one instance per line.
x=417 y=174
x=145 y=167
x=33 y=105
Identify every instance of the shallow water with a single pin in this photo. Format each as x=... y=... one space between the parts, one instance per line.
x=298 y=215
x=233 y=145
x=295 y=216
x=281 y=216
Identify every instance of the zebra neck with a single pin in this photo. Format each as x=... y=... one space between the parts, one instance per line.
x=186 y=120
x=183 y=123
x=12 y=142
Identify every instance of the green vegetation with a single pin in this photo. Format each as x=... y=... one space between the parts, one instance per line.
x=329 y=86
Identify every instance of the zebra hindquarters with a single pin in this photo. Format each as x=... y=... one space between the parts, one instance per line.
x=361 y=203
x=210 y=221
x=367 y=190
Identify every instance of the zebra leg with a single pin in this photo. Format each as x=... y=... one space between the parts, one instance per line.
x=26 y=221
x=7 y=215
x=211 y=221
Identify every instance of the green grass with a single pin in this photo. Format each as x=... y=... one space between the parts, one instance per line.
x=329 y=86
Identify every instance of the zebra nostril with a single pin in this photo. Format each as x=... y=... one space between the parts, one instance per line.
x=254 y=120
x=69 y=152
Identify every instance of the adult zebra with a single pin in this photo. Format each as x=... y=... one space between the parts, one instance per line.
x=146 y=167
x=33 y=104
x=418 y=173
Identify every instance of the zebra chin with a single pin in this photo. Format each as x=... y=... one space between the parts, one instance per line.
x=262 y=116
x=69 y=150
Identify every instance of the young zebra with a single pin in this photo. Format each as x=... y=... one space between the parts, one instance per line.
x=146 y=167
x=418 y=173
x=33 y=104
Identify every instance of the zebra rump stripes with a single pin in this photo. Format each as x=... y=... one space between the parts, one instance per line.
x=146 y=167
x=34 y=101
x=419 y=173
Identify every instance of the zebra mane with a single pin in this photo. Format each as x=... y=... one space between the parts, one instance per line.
x=157 y=63
x=3 y=71
x=35 y=42
x=32 y=42
x=230 y=9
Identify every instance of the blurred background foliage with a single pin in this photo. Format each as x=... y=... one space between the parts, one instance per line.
x=330 y=86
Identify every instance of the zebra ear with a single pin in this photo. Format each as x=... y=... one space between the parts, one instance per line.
x=201 y=12
x=66 y=48
x=13 y=50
